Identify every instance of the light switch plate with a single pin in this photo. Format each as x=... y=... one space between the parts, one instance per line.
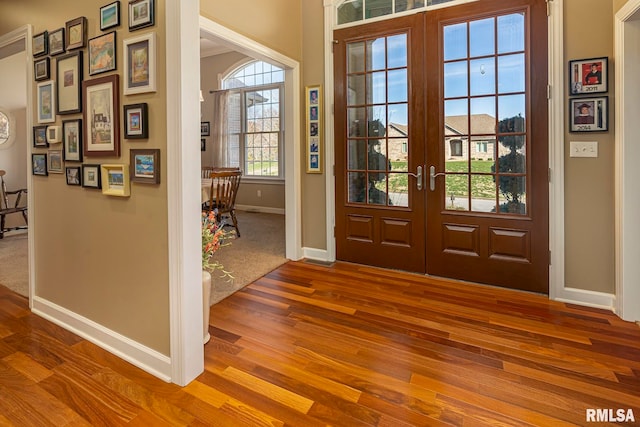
x=583 y=149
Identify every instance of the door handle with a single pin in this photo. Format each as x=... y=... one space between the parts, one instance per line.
x=432 y=177
x=417 y=176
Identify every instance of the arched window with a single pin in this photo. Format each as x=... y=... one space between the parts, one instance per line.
x=254 y=112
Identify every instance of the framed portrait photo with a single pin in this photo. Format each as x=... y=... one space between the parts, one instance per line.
x=40 y=137
x=39 y=164
x=91 y=176
x=135 y=121
x=76 y=32
x=56 y=42
x=41 y=44
x=145 y=166
x=46 y=102
x=205 y=128
x=115 y=180
x=141 y=14
x=72 y=140
x=588 y=76
x=589 y=114
x=41 y=69
x=313 y=108
x=101 y=117
x=74 y=175
x=69 y=72
x=55 y=162
x=110 y=16
x=102 y=53
x=140 y=64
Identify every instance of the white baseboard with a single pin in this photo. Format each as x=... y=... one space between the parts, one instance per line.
x=133 y=352
x=260 y=209
x=316 y=254
x=587 y=298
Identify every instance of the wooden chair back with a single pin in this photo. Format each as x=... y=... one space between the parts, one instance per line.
x=224 y=189
x=7 y=208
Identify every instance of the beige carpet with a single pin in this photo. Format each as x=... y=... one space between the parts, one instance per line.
x=259 y=250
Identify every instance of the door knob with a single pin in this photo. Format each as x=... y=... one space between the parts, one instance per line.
x=417 y=176
x=432 y=177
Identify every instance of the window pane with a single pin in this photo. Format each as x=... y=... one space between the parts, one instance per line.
x=511 y=73
x=376 y=54
x=377 y=193
x=398 y=87
x=455 y=79
x=4 y=128
x=357 y=187
x=402 y=5
x=356 y=154
x=350 y=11
x=511 y=33
x=397 y=51
x=483 y=76
x=483 y=115
x=456 y=192
x=356 y=90
x=483 y=193
x=513 y=198
x=357 y=119
x=455 y=41
x=482 y=37
x=399 y=189
x=355 y=57
x=511 y=113
x=376 y=88
x=375 y=8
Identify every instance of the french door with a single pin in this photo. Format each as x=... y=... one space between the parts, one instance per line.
x=441 y=143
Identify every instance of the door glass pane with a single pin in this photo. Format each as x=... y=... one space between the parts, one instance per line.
x=455 y=41
x=377 y=157
x=483 y=193
x=357 y=119
x=398 y=86
x=376 y=88
x=456 y=195
x=455 y=108
x=399 y=116
x=511 y=73
x=513 y=197
x=511 y=33
x=397 y=51
x=512 y=151
x=482 y=37
x=483 y=115
x=511 y=113
x=456 y=149
x=482 y=148
x=399 y=189
x=355 y=57
x=483 y=76
x=377 y=193
x=376 y=54
x=455 y=79
x=357 y=185
x=357 y=154
x=398 y=154
x=356 y=90
x=376 y=127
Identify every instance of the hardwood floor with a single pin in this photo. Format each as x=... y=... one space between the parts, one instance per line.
x=346 y=345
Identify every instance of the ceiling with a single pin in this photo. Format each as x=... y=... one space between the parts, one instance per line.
x=210 y=47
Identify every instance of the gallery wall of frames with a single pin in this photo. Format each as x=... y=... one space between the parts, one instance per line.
x=79 y=115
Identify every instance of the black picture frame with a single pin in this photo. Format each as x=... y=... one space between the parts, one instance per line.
x=76 y=33
x=40 y=44
x=135 y=121
x=91 y=176
x=39 y=164
x=40 y=137
x=103 y=52
x=205 y=128
x=69 y=71
x=141 y=14
x=589 y=114
x=589 y=76
x=56 y=42
x=41 y=69
x=73 y=175
x=203 y=144
x=72 y=140
x=110 y=16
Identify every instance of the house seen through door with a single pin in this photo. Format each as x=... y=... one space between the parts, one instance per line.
x=441 y=143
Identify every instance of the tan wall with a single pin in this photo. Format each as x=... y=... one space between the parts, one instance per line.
x=589 y=183
x=104 y=258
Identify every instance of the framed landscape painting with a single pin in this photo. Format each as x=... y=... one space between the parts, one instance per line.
x=72 y=140
x=101 y=116
x=115 y=180
x=102 y=53
x=145 y=166
x=46 y=102
x=56 y=42
x=69 y=72
x=140 y=64
x=91 y=176
x=135 y=121
x=110 y=16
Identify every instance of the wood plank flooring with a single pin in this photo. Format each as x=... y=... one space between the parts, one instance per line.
x=345 y=345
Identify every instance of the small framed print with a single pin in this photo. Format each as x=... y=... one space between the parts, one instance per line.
x=110 y=16
x=76 y=32
x=74 y=175
x=589 y=114
x=102 y=53
x=53 y=135
x=588 y=76
x=46 y=102
x=41 y=69
x=55 y=163
x=145 y=166
x=115 y=180
x=91 y=176
x=56 y=42
x=72 y=140
x=141 y=14
x=203 y=144
x=140 y=64
x=101 y=116
x=39 y=164
x=205 y=128
x=313 y=131
x=41 y=44
x=40 y=137
x=135 y=121
x=69 y=83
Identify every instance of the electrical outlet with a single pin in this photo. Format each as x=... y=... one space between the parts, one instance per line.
x=583 y=149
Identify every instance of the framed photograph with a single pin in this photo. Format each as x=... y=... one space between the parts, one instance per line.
x=76 y=30
x=588 y=76
x=69 y=72
x=313 y=132
x=54 y=135
x=41 y=69
x=141 y=14
x=91 y=176
x=72 y=140
x=110 y=16
x=55 y=163
x=74 y=175
x=102 y=53
x=101 y=117
x=40 y=137
x=145 y=166
x=39 y=164
x=41 y=44
x=205 y=128
x=203 y=144
x=115 y=180
x=135 y=121
x=56 y=42
x=140 y=64
x=589 y=114
x=46 y=102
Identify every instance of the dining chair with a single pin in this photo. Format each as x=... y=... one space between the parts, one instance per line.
x=6 y=208
x=222 y=197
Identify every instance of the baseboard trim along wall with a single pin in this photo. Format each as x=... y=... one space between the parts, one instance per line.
x=316 y=254
x=260 y=209
x=133 y=352
x=587 y=298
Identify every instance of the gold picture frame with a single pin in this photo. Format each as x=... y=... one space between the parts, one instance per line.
x=115 y=180
x=313 y=129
